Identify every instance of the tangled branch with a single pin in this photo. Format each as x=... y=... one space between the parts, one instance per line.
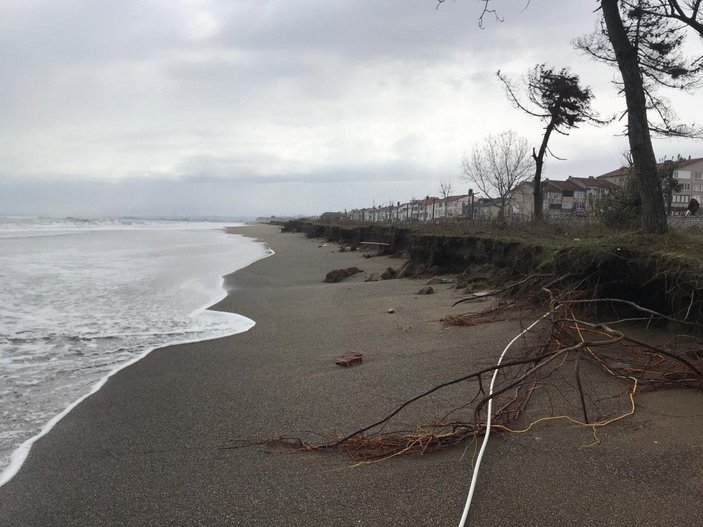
x=565 y=339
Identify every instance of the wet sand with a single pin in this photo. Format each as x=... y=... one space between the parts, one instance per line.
x=154 y=445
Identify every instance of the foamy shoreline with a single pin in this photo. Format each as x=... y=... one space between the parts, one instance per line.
x=239 y=324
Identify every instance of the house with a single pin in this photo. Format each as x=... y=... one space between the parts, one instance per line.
x=453 y=207
x=563 y=196
x=522 y=200
x=389 y=213
x=354 y=215
x=616 y=176
x=575 y=195
x=428 y=208
x=595 y=188
x=383 y=213
x=412 y=211
x=368 y=214
x=557 y=197
x=487 y=208
x=403 y=212
x=690 y=176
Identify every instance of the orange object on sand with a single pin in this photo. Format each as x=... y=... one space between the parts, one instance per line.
x=349 y=360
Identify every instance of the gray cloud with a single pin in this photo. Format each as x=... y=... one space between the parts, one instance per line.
x=271 y=106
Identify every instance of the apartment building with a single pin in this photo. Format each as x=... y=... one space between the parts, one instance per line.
x=575 y=195
x=690 y=176
x=616 y=176
x=453 y=207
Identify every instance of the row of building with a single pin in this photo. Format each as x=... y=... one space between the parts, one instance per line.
x=575 y=196
x=427 y=209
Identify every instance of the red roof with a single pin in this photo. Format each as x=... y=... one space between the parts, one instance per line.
x=591 y=182
x=560 y=185
x=622 y=171
x=688 y=162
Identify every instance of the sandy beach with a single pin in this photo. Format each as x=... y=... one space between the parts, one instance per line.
x=155 y=446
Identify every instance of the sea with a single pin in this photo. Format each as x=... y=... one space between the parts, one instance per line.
x=82 y=298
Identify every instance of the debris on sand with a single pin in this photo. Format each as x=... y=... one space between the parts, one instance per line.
x=349 y=360
x=438 y=280
x=411 y=269
x=337 y=275
x=389 y=274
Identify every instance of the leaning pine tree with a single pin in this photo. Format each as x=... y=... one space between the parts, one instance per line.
x=559 y=100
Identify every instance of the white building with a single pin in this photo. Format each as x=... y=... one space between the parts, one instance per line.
x=690 y=176
x=452 y=207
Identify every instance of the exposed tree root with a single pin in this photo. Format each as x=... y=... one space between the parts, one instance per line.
x=502 y=311
x=551 y=365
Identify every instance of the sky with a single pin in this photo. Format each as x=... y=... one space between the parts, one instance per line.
x=286 y=107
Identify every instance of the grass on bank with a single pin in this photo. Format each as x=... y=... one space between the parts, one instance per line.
x=682 y=245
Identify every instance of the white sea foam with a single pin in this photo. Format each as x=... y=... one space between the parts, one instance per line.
x=83 y=305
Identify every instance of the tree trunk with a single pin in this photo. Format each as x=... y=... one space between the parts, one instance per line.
x=645 y=162
x=539 y=162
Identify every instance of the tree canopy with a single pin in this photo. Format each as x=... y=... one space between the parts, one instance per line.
x=658 y=43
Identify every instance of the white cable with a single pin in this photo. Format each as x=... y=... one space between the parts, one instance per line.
x=488 y=420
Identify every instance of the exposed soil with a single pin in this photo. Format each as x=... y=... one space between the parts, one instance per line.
x=663 y=273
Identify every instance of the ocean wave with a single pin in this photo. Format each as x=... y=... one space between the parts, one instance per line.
x=80 y=308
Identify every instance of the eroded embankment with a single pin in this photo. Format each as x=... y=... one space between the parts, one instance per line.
x=651 y=278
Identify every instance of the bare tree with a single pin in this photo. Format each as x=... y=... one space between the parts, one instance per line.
x=445 y=190
x=498 y=165
x=558 y=99
x=390 y=209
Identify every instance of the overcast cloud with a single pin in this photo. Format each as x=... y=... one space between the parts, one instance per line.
x=249 y=107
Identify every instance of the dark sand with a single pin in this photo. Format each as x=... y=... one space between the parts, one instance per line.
x=150 y=447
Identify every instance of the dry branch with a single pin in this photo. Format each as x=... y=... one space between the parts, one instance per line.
x=567 y=338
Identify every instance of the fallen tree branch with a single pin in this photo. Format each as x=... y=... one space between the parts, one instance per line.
x=434 y=389
x=621 y=357
x=501 y=290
